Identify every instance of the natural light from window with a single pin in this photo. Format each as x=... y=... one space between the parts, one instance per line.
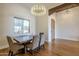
x=21 y=26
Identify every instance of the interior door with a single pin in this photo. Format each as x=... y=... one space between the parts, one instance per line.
x=53 y=28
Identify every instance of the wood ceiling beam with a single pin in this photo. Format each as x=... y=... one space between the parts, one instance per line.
x=62 y=7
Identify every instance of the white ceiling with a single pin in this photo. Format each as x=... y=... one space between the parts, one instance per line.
x=47 y=5
x=29 y=5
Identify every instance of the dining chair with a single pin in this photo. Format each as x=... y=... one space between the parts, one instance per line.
x=42 y=40
x=13 y=48
x=33 y=47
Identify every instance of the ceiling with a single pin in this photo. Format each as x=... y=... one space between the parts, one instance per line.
x=47 y=5
x=29 y=5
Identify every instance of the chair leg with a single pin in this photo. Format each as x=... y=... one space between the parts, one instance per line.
x=12 y=53
x=43 y=46
x=31 y=52
x=9 y=53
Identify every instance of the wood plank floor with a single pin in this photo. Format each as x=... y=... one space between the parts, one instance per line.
x=58 y=47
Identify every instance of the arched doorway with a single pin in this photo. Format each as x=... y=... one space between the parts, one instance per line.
x=51 y=29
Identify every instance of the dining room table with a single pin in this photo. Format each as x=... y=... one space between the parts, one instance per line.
x=23 y=40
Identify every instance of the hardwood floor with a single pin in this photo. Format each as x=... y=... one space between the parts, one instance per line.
x=58 y=47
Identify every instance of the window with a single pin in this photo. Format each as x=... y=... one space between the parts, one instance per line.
x=21 y=26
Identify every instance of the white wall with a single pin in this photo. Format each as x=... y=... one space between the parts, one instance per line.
x=42 y=25
x=0 y=17
x=67 y=24
x=9 y=11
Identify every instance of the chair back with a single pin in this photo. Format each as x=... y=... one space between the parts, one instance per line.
x=35 y=42
x=42 y=40
x=10 y=42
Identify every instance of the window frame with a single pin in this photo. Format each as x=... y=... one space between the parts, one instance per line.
x=19 y=18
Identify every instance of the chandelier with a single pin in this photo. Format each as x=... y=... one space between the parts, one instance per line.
x=38 y=10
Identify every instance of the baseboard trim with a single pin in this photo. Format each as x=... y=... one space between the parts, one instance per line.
x=72 y=39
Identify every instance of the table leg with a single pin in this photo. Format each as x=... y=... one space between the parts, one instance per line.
x=24 y=49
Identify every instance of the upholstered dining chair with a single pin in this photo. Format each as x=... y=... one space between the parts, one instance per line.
x=33 y=47
x=42 y=40
x=13 y=48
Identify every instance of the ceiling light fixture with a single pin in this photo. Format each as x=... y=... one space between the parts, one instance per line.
x=38 y=10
